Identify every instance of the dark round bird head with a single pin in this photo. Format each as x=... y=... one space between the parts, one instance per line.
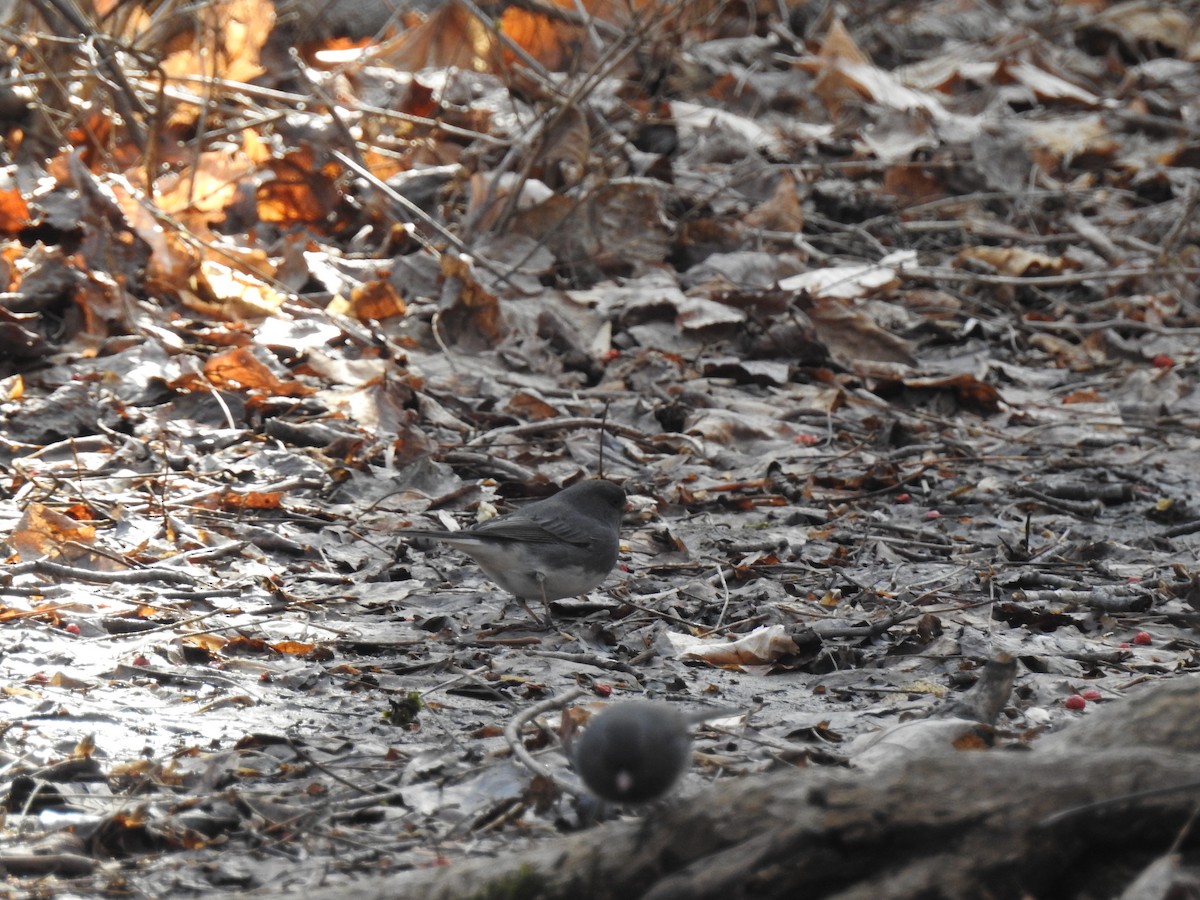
x=633 y=752
x=610 y=495
x=594 y=498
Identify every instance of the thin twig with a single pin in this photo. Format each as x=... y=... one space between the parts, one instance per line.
x=512 y=734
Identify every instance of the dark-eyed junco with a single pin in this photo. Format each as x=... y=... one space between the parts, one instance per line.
x=635 y=751
x=562 y=546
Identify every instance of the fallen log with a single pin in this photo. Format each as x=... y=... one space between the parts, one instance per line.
x=1080 y=816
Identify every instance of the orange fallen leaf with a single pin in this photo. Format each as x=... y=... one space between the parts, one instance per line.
x=239 y=369
x=42 y=531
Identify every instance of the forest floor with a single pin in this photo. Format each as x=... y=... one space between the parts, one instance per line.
x=888 y=324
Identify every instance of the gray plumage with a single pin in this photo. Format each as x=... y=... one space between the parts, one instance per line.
x=635 y=751
x=563 y=546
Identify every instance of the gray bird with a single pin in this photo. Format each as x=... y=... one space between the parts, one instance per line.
x=562 y=546
x=635 y=751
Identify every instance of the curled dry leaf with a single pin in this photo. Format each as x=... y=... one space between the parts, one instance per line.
x=374 y=301
x=755 y=652
x=845 y=76
x=782 y=211
x=852 y=337
x=252 y=369
x=227 y=293
x=1017 y=261
x=470 y=314
x=43 y=531
x=851 y=282
x=615 y=227
x=450 y=38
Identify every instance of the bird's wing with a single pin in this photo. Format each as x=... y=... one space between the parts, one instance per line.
x=513 y=529
x=579 y=529
x=548 y=529
x=438 y=534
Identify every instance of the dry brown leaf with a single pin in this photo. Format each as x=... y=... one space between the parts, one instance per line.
x=1156 y=23
x=226 y=42
x=854 y=338
x=1043 y=84
x=172 y=259
x=1077 y=357
x=753 y=652
x=229 y=293
x=699 y=315
x=201 y=193
x=1016 y=261
x=921 y=738
x=699 y=118
x=551 y=42
x=450 y=38
x=969 y=391
x=242 y=500
x=840 y=46
x=528 y=407
x=14 y=212
x=782 y=211
x=851 y=282
x=293 y=648
x=471 y=314
x=12 y=388
x=102 y=306
x=845 y=74
x=245 y=646
x=43 y=531
x=213 y=643
x=729 y=427
x=303 y=190
x=913 y=183
x=241 y=370
x=66 y=682
x=1185 y=156
x=19 y=336
x=374 y=301
x=614 y=227
x=1055 y=143
x=490 y=197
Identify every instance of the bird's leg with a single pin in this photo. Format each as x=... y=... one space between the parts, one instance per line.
x=525 y=606
x=542 y=584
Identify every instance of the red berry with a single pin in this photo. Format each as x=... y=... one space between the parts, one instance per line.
x=1143 y=639
x=1075 y=702
x=933 y=514
x=903 y=498
x=1091 y=694
x=71 y=629
x=140 y=661
x=1162 y=361
x=602 y=689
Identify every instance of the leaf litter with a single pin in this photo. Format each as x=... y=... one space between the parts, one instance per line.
x=887 y=324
